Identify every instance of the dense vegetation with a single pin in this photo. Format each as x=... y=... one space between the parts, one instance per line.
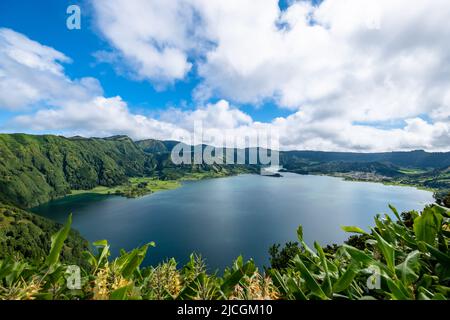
x=36 y=169
x=443 y=198
x=423 y=172
x=26 y=236
x=407 y=259
x=413 y=159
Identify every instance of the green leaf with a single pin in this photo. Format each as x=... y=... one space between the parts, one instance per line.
x=353 y=230
x=427 y=225
x=408 y=270
x=387 y=249
x=189 y=290
x=130 y=262
x=438 y=255
x=309 y=279
x=100 y=243
x=439 y=296
x=327 y=288
x=398 y=290
x=394 y=210
x=303 y=243
x=58 y=242
x=119 y=294
x=346 y=279
x=233 y=279
x=287 y=286
x=300 y=233
x=365 y=259
x=358 y=255
x=295 y=290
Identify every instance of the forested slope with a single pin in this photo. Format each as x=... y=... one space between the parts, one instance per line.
x=36 y=169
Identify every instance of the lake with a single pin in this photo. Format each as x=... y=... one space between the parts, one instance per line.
x=223 y=218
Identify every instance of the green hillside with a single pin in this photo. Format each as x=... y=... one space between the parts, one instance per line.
x=27 y=236
x=36 y=169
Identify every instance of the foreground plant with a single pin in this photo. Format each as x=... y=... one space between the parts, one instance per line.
x=401 y=260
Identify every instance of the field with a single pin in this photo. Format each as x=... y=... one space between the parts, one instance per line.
x=135 y=187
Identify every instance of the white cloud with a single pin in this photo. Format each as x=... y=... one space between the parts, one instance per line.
x=98 y=117
x=153 y=37
x=336 y=66
x=54 y=102
x=330 y=65
x=31 y=73
x=33 y=80
x=219 y=115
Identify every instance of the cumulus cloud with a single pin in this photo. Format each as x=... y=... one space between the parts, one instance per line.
x=357 y=55
x=54 y=102
x=33 y=80
x=31 y=73
x=347 y=70
x=98 y=117
x=154 y=37
x=340 y=66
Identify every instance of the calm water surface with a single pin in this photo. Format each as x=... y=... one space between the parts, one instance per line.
x=223 y=218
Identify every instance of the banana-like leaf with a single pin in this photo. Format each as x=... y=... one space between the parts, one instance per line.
x=428 y=225
x=398 y=290
x=387 y=249
x=310 y=282
x=104 y=254
x=58 y=243
x=358 y=255
x=327 y=287
x=303 y=243
x=100 y=243
x=235 y=277
x=439 y=296
x=278 y=281
x=383 y=228
x=295 y=290
x=346 y=279
x=119 y=294
x=408 y=270
x=397 y=215
x=352 y=229
x=366 y=260
x=129 y=262
x=442 y=257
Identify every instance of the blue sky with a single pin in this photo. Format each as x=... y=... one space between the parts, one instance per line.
x=324 y=75
x=47 y=25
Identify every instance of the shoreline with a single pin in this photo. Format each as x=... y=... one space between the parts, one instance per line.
x=154 y=185
x=386 y=183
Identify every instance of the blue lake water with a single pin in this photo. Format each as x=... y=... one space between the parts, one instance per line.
x=223 y=218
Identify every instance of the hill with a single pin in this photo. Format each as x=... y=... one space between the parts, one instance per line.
x=411 y=159
x=35 y=169
x=26 y=236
